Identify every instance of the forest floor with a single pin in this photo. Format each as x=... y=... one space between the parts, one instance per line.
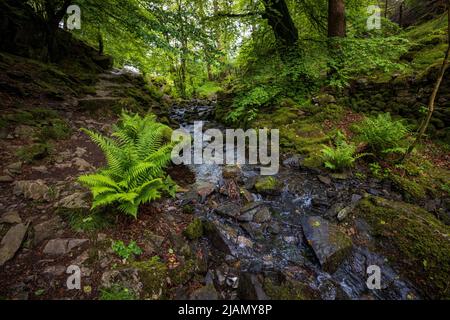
x=228 y=234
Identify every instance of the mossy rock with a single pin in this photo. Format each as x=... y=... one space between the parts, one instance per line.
x=153 y=274
x=34 y=152
x=410 y=188
x=268 y=185
x=194 y=230
x=414 y=240
x=288 y=290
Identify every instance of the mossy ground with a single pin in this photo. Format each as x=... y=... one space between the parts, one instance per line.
x=414 y=240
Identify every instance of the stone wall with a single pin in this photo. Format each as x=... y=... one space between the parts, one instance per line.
x=407 y=97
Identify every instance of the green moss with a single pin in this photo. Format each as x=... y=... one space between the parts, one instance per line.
x=267 y=185
x=183 y=273
x=81 y=220
x=194 y=230
x=289 y=290
x=57 y=129
x=34 y=152
x=409 y=187
x=414 y=240
x=116 y=293
x=153 y=274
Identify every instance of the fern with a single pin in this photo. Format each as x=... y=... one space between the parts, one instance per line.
x=137 y=155
x=340 y=157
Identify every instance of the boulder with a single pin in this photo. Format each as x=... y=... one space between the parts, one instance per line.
x=229 y=210
x=207 y=292
x=268 y=186
x=78 y=200
x=11 y=242
x=11 y=217
x=57 y=247
x=330 y=245
x=250 y=287
x=32 y=190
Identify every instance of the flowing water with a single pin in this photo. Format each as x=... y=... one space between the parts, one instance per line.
x=281 y=248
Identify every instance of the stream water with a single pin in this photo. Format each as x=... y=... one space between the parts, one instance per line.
x=279 y=247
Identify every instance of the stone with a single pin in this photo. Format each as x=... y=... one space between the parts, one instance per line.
x=125 y=278
x=154 y=238
x=343 y=214
x=267 y=185
x=292 y=162
x=250 y=287
x=229 y=210
x=11 y=242
x=11 y=217
x=40 y=169
x=82 y=164
x=324 y=180
x=330 y=245
x=324 y=99
x=33 y=190
x=244 y=242
x=57 y=247
x=78 y=200
x=263 y=215
x=55 y=270
x=231 y=172
x=46 y=230
x=15 y=168
x=207 y=292
x=204 y=189
x=216 y=233
x=6 y=179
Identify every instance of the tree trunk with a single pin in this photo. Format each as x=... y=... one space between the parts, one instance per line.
x=424 y=125
x=278 y=16
x=386 y=5
x=336 y=18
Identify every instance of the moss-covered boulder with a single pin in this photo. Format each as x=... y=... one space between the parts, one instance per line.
x=267 y=185
x=416 y=242
x=153 y=274
x=194 y=230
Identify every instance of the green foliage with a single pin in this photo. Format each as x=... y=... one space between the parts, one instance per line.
x=34 y=152
x=116 y=293
x=340 y=157
x=208 y=90
x=137 y=156
x=377 y=171
x=383 y=134
x=126 y=252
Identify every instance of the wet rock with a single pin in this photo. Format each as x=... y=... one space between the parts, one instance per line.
x=330 y=245
x=11 y=242
x=274 y=228
x=263 y=215
x=154 y=238
x=253 y=229
x=78 y=200
x=229 y=210
x=207 y=292
x=33 y=190
x=292 y=162
x=250 y=287
x=46 y=230
x=244 y=242
x=356 y=198
x=204 y=189
x=57 y=247
x=218 y=236
x=11 y=217
x=247 y=195
x=268 y=186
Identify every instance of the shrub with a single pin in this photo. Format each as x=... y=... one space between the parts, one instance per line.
x=340 y=157
x=137 y=156
x=383 y=134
